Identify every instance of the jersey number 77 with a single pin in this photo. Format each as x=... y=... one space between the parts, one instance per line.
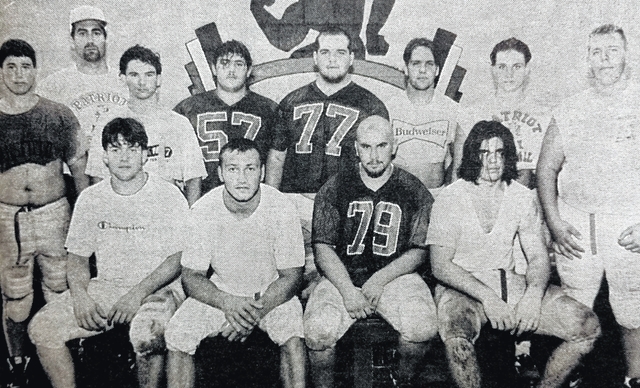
x=211 y=132
x=314 y=114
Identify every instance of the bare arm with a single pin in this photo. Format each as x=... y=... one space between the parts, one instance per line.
x=275 y=166
x=193 y=190
x=549 y=165
x=407 y=263
x=537 y=277
x=127 y=306
x=283 y=289
x=457 y=146
x=354 y=300
x=89 y=315
x=444 y=269
x=77 y=168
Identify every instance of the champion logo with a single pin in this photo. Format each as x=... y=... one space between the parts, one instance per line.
x=129 y=228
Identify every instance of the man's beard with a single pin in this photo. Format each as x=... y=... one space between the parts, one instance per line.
x=374 y=174
x=334 y=80
x=93 y=55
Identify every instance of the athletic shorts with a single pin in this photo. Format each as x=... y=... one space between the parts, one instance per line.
x=28 y=235
x=460 y=316
x=581 y=277
x=55 y=323
x=406 y=303
x=195 y=321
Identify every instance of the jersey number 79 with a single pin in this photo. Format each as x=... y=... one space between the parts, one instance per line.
x=212 y=136
x=386 y=230
x=314 y=113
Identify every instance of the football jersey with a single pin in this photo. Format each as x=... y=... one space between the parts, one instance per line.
x=370 y=229
x=318 y=133
x=215 y=123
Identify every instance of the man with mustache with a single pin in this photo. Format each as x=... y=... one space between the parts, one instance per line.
x=369 y=230
x=173 y=150
x=90 y=88
x=589 y=174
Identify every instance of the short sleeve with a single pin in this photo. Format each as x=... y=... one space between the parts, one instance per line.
x=193 y=162
x=378 y=108
x=420 y=220
x=195 y=254
x=443 y=228
x=95 y=164
x=81 y=240
x=289 y=244
x=531 y=215
x=281 y=134
x=326 y=217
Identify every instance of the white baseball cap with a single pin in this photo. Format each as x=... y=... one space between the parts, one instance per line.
x=86 y=12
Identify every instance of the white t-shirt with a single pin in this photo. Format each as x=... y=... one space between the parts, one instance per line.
x=131 y=235
x=90 y=97
x=454 y=224
x=174 y=152
x=527 y=120
x=244 y=254
x=601 y=143
x=424 y=132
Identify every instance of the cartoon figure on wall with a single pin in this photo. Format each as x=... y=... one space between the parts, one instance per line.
x=300 y=17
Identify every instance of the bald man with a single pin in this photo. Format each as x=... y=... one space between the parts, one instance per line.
x=369 y=231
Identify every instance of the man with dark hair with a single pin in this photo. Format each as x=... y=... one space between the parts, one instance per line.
x=37 y=137
x=369 y=229
x=89 y=88
x=473 y=226
x=229 y=111
x=249 y=234
x=425 y=123
x=130 y=222
x=525 y=114
x=316 y=131
x=173 y=149
x=589 y=174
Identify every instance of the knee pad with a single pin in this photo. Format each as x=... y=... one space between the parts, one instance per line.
x=321 y=327
x=418 y=323
x=54 y=274
x=17 y=291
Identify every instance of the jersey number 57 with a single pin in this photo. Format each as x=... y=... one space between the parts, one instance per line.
x=212 y=137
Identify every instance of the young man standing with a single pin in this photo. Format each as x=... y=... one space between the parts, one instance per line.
x=36 y=137
x=130 y=222
x=589 y=174
x=89 y=88
x=317 y=128
x=471 y=236
x=173 y=149
x=249 y=234
x=514 y=105
x=369 y=230
x=230 y=111
x=425 y=124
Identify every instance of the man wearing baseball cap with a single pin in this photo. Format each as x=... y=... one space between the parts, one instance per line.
x=90 y=87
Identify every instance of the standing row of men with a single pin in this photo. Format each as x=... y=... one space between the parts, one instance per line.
x=369 y=224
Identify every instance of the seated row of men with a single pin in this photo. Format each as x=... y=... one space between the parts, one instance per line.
x=355 y=239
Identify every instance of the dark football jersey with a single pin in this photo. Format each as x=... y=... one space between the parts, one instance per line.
x=369 y=229
x=318 y=132
x=254 y=117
